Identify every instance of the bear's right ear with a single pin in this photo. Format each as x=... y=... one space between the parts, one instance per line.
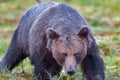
x=84 y=31
x=52 y=34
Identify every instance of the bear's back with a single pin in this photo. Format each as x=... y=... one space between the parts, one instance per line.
x=42 y=16
x=27 y=21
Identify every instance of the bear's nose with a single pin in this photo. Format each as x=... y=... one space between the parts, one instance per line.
x=71 y=72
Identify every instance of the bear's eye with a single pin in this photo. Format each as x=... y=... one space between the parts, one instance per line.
x=76 y=55
x=64 y=55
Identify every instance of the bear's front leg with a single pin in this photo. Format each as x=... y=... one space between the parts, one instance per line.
x=38 y=51
x=52 y=66
x=92 y=65
x=45 y=68
x=39 y=67
x=40 y=72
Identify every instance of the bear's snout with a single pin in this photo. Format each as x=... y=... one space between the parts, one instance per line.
x=70 y=65
x=71 y=72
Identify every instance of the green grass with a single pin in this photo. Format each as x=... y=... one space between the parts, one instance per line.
x=102 y=15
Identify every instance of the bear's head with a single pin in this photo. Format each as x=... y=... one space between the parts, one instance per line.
x=69 y=50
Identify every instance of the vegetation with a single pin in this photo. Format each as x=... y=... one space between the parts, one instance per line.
x=102 y=15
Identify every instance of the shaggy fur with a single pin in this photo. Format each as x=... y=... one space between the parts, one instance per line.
x=30 y=40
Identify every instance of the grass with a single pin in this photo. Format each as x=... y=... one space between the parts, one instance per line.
x=102 y=15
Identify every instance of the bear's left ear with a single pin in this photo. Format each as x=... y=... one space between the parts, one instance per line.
x=52 y=34
x=85 y=32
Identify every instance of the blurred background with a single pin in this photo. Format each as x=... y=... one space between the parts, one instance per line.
x=102 y=15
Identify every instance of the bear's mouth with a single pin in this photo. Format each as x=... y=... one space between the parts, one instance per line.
x=71 y=72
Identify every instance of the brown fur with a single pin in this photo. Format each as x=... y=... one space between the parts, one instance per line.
x=54 y=36
x=69 y=45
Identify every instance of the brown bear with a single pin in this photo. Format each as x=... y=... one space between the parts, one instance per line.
x=54 y=36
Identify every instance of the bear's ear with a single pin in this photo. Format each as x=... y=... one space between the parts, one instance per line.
x=84 y=31
x=52 y=34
